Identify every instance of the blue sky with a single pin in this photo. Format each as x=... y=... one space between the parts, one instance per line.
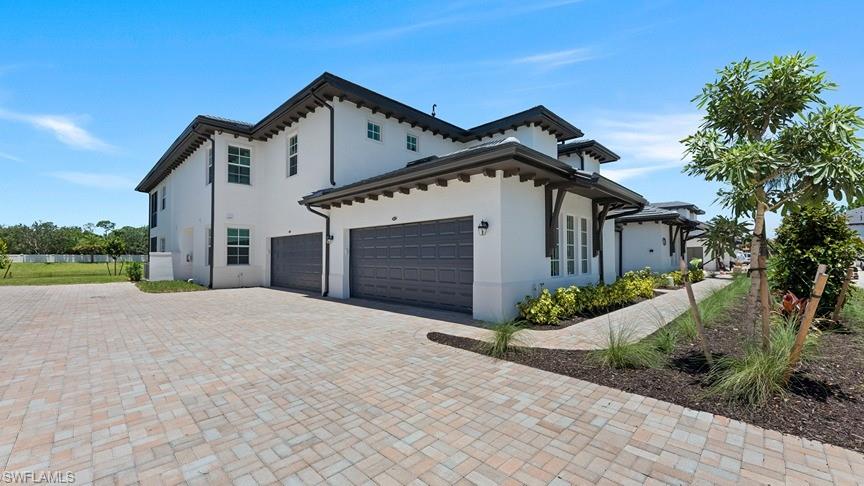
x=92 y=93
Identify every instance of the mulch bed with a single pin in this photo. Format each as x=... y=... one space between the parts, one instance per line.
x=825 y=403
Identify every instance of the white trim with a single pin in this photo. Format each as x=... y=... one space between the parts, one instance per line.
x=567 y=245
x=585 y=241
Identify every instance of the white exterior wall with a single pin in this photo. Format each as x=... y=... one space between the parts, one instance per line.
x=509 y=261
x=590 y=163
x=530 y=136
x=642 y=246
x=358 y=157
x=186 y=216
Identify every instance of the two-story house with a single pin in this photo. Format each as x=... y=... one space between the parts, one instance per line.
x=346 y=192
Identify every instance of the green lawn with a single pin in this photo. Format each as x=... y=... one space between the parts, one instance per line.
x=60 y=273
x=166 y=286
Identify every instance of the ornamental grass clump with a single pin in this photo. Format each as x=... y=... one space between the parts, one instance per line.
x=506 y=336
x=759 y=374
x=622 y=353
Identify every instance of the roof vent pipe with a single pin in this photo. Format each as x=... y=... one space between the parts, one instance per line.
x=434 y=106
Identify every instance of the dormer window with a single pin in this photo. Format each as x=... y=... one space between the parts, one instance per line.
x=373 y=131
x=411 y=143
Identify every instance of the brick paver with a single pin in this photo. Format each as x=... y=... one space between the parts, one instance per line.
x=258 y=386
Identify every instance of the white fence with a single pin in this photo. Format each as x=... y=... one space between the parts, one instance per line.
x=73 y=258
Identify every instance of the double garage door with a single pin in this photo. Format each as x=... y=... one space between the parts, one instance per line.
x=430 y=263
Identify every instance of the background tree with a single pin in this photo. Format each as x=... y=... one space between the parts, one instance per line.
x=106 y=226
x=808 y=236
x=773 y=140
x=134 y=237
x=89 y=244
x=722 y=236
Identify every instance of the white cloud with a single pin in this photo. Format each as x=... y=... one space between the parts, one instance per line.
x=620 y=175
x=64 y=128
x=10 y=157
x=467 y=12
x=558 y=58
x=98 y=180
x=646 y=142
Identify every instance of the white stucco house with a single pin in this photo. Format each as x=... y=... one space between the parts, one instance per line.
x=656 y=236
x=343 y=191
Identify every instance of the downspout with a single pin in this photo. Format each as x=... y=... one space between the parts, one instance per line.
x=210 y=250
x=332 y=141
x=326 y=289
x=620 y=252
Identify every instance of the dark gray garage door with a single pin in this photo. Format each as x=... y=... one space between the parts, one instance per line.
x=295 y=262
x=427 y=264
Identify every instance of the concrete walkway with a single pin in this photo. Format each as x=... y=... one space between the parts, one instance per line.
x=258 y=386
x=638 y=320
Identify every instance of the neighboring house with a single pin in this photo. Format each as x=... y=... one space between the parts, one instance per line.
x=394 y=204
x=656 y=236
x=855 y=217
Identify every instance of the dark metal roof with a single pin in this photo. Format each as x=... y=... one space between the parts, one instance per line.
x=678 y=205
x=508 y=155
x=653 y=213
x=591 y=147
x=327 y=87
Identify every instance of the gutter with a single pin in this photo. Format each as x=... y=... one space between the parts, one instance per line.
x=326 y=289
x=332 y=136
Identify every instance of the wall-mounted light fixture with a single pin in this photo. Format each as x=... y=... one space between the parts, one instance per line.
x=483 y=227
x=664 y=241
x=330 y=239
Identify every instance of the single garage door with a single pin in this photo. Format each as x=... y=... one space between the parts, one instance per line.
x=295 y=262
x=429 y=264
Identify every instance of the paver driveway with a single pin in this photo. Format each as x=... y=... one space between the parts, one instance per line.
x=257 y=385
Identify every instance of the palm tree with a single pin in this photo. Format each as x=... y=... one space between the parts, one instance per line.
x=722 y=235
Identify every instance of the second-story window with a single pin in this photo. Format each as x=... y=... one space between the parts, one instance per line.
x=411 y=142
x=164 y=197
x=292 y=155
x=209 y=164
x=373 y=131
x=154 y=198
x=239 y=165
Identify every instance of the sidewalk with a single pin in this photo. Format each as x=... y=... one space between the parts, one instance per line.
x=643 y=318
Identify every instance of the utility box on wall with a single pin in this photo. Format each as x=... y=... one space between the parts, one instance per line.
x=160 y=267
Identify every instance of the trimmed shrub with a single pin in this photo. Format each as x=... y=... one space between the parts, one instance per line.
x=541 y=309
x=808 y=236
x=135 y=271
x=566 y=302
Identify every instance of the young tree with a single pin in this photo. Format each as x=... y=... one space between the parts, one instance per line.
x=807 y=237
x=5 y=261
x=768 y=134
x=89 y=244
x=722 y=236
x=114 y=248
